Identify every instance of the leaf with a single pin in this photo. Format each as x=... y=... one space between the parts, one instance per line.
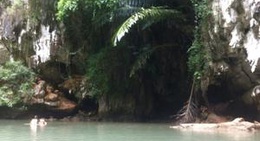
x=152 y=15
x=141 y=61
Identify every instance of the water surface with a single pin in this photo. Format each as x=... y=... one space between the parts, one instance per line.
x=12 y=130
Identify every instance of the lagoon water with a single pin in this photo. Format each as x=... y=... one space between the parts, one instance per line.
x=17 y=130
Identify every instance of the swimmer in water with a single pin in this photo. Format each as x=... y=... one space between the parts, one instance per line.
x=34 y=121
x=42 y=122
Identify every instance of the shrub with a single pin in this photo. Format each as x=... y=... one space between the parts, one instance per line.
x=16 y=83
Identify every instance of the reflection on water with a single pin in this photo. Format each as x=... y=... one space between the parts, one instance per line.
x=89 y=131
x=33 y=133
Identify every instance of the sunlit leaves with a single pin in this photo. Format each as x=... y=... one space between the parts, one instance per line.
x=15 y=83
x=198 y=55
x=95 y=7
x=151 y=15
x=66 y=6
x=202 y=9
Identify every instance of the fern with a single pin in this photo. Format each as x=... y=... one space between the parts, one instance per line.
x=152 y=15
x=141 y=61
x=145 y=56
x=112 y=16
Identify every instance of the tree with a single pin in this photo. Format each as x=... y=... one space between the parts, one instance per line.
x=147 y=16
x=150 y=49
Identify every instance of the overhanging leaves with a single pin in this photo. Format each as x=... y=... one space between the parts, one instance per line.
x=151 y=15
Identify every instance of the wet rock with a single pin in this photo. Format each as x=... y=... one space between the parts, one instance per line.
x=238 y=124
x=74 y=84
x=51 y=97
x=66 y=104
x=39 y=89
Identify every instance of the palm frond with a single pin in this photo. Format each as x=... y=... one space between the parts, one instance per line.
x=137 y=3
x=141 y=61
x=112 y=16
x=145 y=56
x=190 y=110
x=127 y=11
x=150 y=14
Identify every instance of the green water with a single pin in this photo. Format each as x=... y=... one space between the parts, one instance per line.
x=91 y=131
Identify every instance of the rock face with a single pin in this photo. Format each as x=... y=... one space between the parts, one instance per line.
x=32 y=36
x=233 y=39
x=5 y=56
x=239 y=20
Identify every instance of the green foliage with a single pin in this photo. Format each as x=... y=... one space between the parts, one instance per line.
x=16 y=9
x=151 y=15
x=96 y=8
x=141 y=61
x=65 y=7
x=198 y=55
x=202 y=10
x=92 y=21
x=15 y=83
x=97 y=66
x=198 y=59
x=108 y=71
x=145 y=54
x=87 y=22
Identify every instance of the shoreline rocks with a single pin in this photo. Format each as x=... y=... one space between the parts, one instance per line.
x=238 y=124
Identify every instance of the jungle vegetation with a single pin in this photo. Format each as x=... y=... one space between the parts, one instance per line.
x=134 y=53
x=133 y=47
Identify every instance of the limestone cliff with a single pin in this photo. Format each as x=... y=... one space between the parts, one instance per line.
x=231 y=36
x=30 y=33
